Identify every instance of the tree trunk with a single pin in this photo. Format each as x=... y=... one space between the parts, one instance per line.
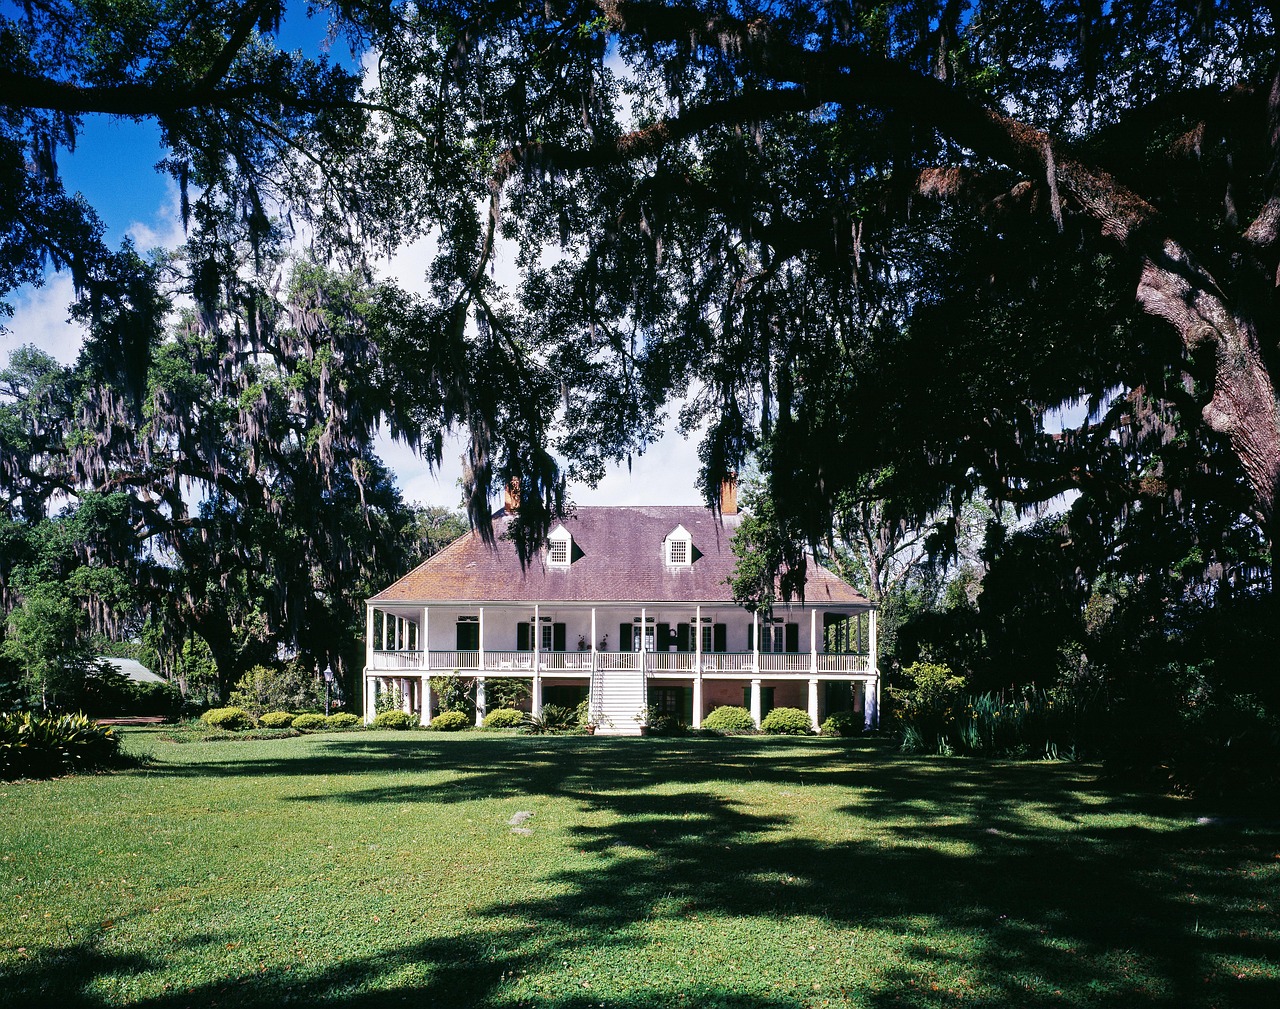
x=1244 y=403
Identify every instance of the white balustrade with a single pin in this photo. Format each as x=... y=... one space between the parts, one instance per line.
x=396 y=659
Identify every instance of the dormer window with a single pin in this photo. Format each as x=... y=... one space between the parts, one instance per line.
x=559 y=548
x=677 y=548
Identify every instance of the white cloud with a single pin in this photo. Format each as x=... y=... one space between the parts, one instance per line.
x=164 y=229
x=40 y=316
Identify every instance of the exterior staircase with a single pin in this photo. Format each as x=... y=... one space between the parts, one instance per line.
x=618 y=694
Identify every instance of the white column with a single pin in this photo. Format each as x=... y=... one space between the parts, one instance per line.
x=593 y=711
x=535 y=701
x=406 y=695
x=368 y=694
x=426 y=699
x=481 y=709
x=697 y=639
x=872 y=705
x=755 y=650
x=697 y=667
x=813 y=702
x=368 y=635
x=755 y=702
x=386 y=626
x=424 y=640
x=813 y=644
x=480 y=657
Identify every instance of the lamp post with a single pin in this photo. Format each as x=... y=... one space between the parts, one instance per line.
x=328 y=684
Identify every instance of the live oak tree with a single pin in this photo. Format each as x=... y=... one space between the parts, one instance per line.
x=762 y=210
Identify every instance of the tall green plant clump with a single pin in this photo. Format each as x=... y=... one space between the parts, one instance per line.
x=935 y=715
x=42 y=746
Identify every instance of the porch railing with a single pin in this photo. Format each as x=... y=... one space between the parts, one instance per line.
x=521 y=663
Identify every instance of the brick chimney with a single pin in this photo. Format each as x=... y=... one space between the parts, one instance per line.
x=511 y=497
x=729 y=495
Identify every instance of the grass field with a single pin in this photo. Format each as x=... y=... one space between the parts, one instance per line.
x=380 y=869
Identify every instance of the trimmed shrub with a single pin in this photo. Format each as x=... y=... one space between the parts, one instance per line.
x=276 y=720
x=231 y=719
x=504 y=718
x=786 y=722
x=394 y=720
x=342 y=720
x=309 y=722
x=450 y=721
x=729 y=718
x=41 y=746
x=842 y=723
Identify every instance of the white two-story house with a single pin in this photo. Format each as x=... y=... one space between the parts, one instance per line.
x=629 y=608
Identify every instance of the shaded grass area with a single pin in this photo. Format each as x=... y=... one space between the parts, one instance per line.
x=379 y=869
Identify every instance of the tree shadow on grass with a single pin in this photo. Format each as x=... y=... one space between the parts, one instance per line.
x=947 y=886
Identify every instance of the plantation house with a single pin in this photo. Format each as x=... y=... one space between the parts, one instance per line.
x=628 y=607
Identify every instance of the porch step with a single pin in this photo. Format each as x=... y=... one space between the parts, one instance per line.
x=617 y=698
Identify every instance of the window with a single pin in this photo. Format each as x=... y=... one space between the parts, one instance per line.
x=559 y=548
x=677 y=548
x=706 y=638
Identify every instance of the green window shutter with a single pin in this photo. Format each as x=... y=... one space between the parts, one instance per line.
x=522 y=637
x=686 y=705
x=664 y=637
x=751 y=638
x=557 y=637
x=683 y=644
x=468 y=637
x=719 y=639
x=626 y=638
x=793 y=637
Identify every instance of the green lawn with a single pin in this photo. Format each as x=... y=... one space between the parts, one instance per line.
x=379 y=869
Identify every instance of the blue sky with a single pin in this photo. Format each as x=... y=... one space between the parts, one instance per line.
x=113 y=165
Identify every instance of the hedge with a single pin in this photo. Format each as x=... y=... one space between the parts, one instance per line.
x=729 y=718
x=231 y=719
x=787 y=722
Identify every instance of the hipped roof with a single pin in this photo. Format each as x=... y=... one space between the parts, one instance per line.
x=617 y=557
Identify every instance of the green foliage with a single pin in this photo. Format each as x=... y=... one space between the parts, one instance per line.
x=504 y=718
x=842 y=723
x=275 y=688
x=454 y=693
x=395 y=720
x=196 y=671
x=310 y=722
x=729 y=718
x=554 y=718
x=231 y=718
x=582 y=713
x=770 y=554
x=390 y=698
x=926 y=706
x=786 y=721
x=43 y=746
x=276 y=720
x=342 y=720
x=506 y=691
x=450 y=721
